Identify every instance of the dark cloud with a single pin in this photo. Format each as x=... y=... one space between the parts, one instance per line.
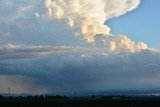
x=78 y=69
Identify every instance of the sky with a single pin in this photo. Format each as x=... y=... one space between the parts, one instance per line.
x=146 y=30
x=79 y=45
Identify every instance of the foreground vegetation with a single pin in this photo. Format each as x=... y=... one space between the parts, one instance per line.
x=90 y=101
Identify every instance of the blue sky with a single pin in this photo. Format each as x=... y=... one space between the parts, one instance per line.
x=141 y=24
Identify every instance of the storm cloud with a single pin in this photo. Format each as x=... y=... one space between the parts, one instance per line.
x=46 y=44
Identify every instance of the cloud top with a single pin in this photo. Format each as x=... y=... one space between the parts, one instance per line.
x=89 y=16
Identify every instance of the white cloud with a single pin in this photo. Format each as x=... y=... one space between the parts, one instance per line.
x=89 y=16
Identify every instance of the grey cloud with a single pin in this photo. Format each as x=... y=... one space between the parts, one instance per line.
x=77 y=69
x=12 y=10
x=11 y=51
x=5 y=34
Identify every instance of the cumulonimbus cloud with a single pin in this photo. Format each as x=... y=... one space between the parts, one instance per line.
x=106 y=62
x=89 y=17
